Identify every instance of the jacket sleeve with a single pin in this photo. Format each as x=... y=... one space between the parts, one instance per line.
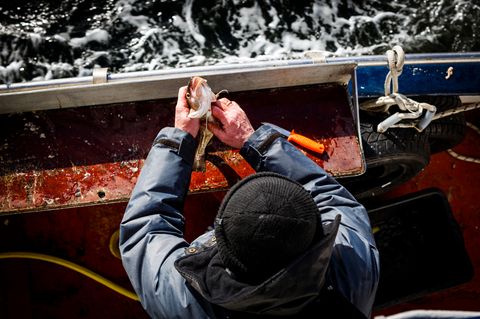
x=267 y=150
x=355 y=260
x=151 y=232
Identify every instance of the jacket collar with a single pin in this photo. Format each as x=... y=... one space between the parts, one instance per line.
x=285 y=293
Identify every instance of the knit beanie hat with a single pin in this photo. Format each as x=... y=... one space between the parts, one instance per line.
x=263 y=223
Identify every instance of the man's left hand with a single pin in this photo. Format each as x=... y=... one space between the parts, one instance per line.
x=182 y=121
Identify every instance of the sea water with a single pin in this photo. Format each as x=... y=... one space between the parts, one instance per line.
x=46 y=39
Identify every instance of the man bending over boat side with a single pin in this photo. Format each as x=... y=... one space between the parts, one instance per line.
x=289 y=241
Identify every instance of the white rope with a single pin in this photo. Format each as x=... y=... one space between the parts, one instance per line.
x=413 y=116
x=396 y=60
x=460 y=109
x=463 y=157
x=411 y=111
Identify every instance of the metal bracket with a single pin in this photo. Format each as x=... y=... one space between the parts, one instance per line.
x=100 y=75
x=317 y=56
x=415 y=111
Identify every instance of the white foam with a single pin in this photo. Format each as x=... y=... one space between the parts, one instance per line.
x=36 y=39
x=95 y=35
x=192 y=26
x=11 y=72
x=260 y=35
x=275 y=19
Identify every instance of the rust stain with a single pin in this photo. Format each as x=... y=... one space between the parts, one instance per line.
x=75 y=157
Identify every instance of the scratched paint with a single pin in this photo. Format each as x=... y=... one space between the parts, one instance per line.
x=92 y=155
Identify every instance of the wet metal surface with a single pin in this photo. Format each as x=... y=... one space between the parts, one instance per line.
x=85 y=156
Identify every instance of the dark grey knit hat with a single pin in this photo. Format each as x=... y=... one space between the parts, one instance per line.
x=263 y=223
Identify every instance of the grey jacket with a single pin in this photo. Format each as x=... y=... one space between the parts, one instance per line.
x=151 y=232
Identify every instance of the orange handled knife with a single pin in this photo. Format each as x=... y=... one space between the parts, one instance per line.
x=299 y=139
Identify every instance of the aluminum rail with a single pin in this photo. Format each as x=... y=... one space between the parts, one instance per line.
x=423 y=58
x=424 y=74
x=101 y=89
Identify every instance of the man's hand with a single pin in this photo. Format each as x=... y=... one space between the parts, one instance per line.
x=182 y=121
x=235 y=127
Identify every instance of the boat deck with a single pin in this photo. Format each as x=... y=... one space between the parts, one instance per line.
x=460 y=182
x=82 y=234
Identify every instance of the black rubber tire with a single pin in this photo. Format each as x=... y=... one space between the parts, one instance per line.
x=445 y=132
x=396 y=156
x=392 y=158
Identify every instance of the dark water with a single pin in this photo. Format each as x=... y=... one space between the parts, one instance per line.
x=48 y=39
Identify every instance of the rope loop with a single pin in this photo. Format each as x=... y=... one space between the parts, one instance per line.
x=415 y=117
x=395 y=60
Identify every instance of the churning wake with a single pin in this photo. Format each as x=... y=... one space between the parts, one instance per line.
x=49 y=39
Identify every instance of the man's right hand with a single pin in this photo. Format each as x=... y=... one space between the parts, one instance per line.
x=235 y=128
x=182 y=121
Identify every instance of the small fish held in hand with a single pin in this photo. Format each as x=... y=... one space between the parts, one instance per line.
x=199 y=98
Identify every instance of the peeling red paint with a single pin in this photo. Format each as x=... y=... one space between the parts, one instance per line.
x=75 y=157
x=81 y=234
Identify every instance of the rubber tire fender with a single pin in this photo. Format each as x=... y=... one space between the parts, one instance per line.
x=392 y=158
x=446 y=132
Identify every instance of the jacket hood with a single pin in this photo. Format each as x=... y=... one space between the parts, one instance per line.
x=285 y=293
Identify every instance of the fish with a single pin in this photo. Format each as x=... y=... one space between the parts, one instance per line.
x=199 y=98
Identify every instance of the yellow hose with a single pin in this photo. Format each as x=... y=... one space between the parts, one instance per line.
x=65 y=263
